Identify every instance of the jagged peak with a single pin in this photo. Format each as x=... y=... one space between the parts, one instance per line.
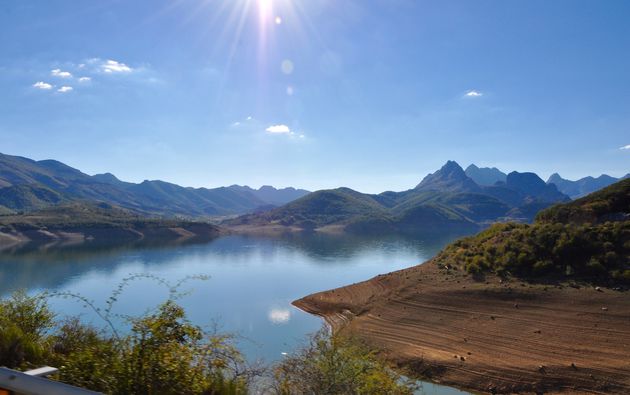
x=554 y=177
x=451 y=166
x=472 y=166
x=449 y=177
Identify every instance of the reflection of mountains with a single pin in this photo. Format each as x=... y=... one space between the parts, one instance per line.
x=326 y=247
x=50 y=267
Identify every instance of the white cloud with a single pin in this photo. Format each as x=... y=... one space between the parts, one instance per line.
x=473 y=93
x=85 y=79
x=42 y=85
x=278 y=129
x=279 y=316
x=61 y=74
x=249 y=118
x=625 y=147
x=65 y=89
x=112 y=66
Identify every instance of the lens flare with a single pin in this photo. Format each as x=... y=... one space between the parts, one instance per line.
x=265 y=9
x=286 y=66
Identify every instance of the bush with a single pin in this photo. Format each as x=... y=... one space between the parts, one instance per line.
x=335 y=364
x=163 y=354
x=24 y=322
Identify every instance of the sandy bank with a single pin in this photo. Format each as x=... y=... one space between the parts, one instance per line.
x=490 y=336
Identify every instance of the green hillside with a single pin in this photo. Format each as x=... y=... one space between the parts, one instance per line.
x=447 y=200
x=360 y=213
x=588 y=239
x=97 y=220
x=321 y=208
x=607 y=204
x=75 y=214
x=27 y=185
x=28 y=197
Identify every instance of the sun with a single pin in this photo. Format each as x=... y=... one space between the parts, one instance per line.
x=265 y=8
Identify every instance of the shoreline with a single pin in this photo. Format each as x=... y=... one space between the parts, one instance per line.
x=490 y=336
x=107 y=234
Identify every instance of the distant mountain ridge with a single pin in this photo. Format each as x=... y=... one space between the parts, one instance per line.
x=445 y=200
x=27 y=185
x=485 y=175
x=583 y=186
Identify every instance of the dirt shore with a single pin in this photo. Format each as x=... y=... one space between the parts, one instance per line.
x=489 y=336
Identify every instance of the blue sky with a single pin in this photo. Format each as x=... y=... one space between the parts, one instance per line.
x=370 y=94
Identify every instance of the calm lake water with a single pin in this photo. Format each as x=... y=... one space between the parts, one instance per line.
x=252 y=280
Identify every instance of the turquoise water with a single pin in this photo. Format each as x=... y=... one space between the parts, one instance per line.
x=252 y=280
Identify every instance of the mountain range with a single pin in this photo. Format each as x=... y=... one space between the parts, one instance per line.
x=449 y=199
x=27 y=185
x=445 y=200
x=583 y=186
x=574 y=189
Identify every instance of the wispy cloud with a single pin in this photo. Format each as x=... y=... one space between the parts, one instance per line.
x=65 y=89
x=113 y=66
x=625 y=147
x=278 y=129
x=243 y=122
x=85 y=79
x=61 y=74
x=42 y=85
x=473 y=93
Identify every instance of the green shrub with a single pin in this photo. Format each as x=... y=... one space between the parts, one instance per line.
x=335 y=364
x=163 y=353
x=24 y=322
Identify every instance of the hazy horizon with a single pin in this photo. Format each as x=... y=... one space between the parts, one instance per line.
x=372 y=95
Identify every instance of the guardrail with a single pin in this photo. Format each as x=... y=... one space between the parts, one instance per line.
x=33 y=382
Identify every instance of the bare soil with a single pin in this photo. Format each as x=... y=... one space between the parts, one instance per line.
x=490 y=335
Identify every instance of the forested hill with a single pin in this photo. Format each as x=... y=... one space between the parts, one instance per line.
x=586 y=240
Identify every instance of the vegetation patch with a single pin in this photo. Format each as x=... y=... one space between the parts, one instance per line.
x=594 y=253
x=587 y=240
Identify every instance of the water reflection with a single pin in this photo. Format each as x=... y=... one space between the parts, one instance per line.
x=279 y=316
x=49 y=267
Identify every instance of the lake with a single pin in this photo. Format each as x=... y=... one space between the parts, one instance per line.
x=252 y=280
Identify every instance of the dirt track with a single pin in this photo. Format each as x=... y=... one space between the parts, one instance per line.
x=491 y=335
